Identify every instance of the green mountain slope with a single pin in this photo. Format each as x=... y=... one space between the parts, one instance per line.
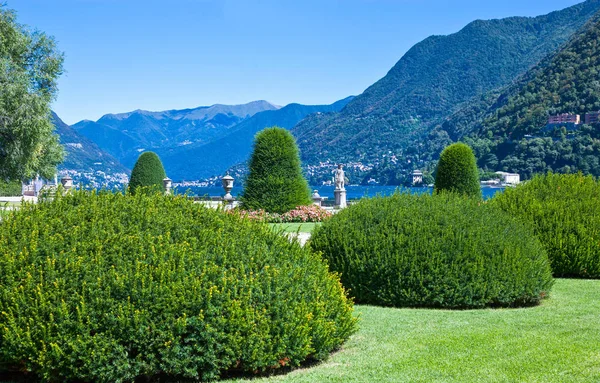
x=513 y=135
x=397 y=115
x=83 y=155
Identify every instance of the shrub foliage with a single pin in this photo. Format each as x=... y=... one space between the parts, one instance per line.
x=443 y=250
x=106 y=288
x=457 y=171
x=148 y=172
x=565 y=212
x=275 y=182
x=10 y=188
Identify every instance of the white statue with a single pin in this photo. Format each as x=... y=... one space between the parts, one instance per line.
x=340 y=178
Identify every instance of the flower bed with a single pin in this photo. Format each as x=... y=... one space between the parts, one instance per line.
x=311 y=213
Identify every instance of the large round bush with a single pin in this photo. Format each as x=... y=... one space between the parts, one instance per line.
x=457 y=171
x=275 y=182
x=106 y=288
x=565 y=212
x=148 y=172
x=444 y=250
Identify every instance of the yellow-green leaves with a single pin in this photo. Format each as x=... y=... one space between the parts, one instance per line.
x=108 y=287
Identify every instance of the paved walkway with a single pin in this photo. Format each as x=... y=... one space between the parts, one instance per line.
x=302 y=237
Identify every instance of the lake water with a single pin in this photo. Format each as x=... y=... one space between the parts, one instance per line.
x=352 y=192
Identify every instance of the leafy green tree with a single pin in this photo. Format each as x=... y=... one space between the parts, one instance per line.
x=275 y=182
x=29 y=68
x=457 y=171
x=428 y=179
x=148 y=171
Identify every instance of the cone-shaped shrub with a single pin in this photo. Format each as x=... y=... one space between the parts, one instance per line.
x=148 y=172
x=565 y=212
x=275 y=182
x=457 y=171
x=110 y=287
x=443 y=250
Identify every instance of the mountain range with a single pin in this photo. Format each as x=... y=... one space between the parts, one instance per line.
x=214 y=158
x=471 y=85
x=125 y=134
x=193 y=143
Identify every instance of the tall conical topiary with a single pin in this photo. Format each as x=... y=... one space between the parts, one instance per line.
x=147 y=172
x=457 y=171
x=275 y=182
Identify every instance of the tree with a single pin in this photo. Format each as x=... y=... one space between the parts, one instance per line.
x=148 y=171
x=275 y=182
x=457 y=171
x=29 y=68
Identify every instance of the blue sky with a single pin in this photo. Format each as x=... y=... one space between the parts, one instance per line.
x=122 y=55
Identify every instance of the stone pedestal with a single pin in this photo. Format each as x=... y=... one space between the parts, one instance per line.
x=340 y=198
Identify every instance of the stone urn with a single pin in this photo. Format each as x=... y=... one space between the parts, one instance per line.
x=227 y=186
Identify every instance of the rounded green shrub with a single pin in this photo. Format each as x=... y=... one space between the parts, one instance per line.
x=564 y=210
x=275 y=182
x=148 y=172
x=457 y=171
x=444 y=250
x=102 y=287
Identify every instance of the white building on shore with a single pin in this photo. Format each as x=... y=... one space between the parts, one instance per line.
x=510 y=178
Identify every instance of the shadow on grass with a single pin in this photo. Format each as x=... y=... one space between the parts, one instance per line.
x=20 y=377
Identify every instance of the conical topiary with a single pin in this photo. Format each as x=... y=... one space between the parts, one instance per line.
x=457 y=171
x=275 y=182
x=147 y=172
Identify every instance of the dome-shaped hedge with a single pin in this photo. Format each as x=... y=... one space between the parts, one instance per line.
x=106 y=288
x=443 y=250
x=457 y=171
x=148 y=172
x=564 y=210
x=275 y=182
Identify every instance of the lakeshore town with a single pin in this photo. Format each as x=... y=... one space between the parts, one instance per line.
x=101 y=179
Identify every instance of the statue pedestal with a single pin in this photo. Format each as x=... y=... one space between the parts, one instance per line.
x=340 y=198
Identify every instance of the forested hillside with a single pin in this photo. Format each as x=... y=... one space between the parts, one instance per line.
x=513 y=134
x=397 y=116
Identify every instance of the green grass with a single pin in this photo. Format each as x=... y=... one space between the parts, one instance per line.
x=10 y=203
x=307 y=227
x=557 y=341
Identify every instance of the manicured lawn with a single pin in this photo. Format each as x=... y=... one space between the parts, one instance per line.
x=295 y=227
x=558 y=341
x=10 y=203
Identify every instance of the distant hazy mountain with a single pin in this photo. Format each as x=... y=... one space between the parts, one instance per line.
x=395 y=116
x=125 y=134
x=200 y=161
x=82 y=154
